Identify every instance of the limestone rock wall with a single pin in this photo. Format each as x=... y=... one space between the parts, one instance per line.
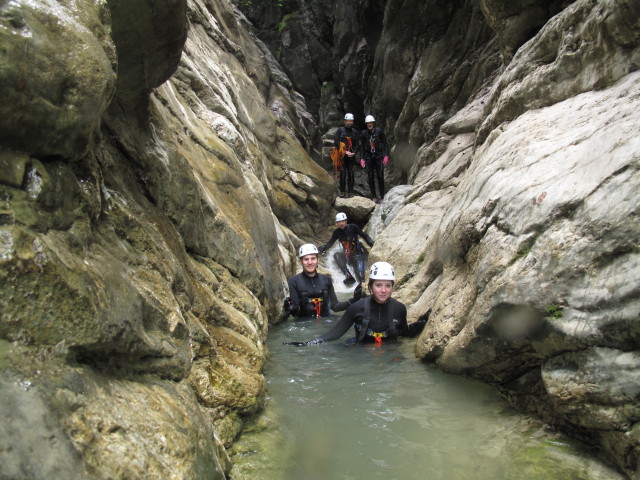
x=519 y=226
x=154 y=183
x=156 y=174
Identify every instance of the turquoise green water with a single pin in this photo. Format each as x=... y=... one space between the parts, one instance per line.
x=375 y=412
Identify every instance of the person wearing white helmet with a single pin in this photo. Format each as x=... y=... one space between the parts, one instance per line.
x=311 y=294
x=375 y=156
x=351 y=251
x=350 y=137
x=378 y=318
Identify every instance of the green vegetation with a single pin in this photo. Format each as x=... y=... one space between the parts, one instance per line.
x=523 y=252
x=283 y=23
x=420 y=258
x=554 y=311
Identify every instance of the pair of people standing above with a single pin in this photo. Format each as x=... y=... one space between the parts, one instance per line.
x=373 y=148
x=351 y=250
x=376 y=319
x=311 y=294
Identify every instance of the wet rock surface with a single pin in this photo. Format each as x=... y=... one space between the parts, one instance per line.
x=148 y=224
x=160 y=163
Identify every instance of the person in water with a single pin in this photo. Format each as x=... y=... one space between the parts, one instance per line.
x=351 y=251
x=311 y=294
x=378 y=318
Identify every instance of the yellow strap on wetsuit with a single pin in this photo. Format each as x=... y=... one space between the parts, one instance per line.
x=317 y=306
x=377 y=336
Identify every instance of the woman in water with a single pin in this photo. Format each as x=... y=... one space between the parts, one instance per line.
x=377 y=318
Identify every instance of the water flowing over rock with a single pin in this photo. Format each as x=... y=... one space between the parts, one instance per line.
x=160 y=163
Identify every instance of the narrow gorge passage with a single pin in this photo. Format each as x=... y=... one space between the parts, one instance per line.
x=339 y=411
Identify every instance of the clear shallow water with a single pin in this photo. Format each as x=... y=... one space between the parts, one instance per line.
x=368 y=412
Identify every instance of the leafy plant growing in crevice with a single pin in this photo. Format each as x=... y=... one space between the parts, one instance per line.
x=554 y=311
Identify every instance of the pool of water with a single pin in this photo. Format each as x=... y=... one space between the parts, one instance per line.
x=338 y=411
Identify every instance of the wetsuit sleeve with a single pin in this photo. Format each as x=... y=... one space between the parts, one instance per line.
x=356 y=143
x=341 y=326
x=363 y=141
x=294 y=295
x=408 y=330
x=383 y=140
x=403 y=328
x=365 y=236
x=337 y=306
x=332 y=240
x=338 y=136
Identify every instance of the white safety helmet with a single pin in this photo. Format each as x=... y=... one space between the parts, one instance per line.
x=341 y=216
x=307 y=249
x=382 y=271
x=348 y=116
x=369 y=119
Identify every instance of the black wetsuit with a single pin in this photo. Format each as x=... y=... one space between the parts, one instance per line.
x=314 y=296
x=381 y=315
x=351 y=252
x=374 y=149
x=351 y=138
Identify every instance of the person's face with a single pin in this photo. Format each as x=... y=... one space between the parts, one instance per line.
x=309 y=263
x=348 y=123
x=381 y=290
x=341 y=224
x=370 y=125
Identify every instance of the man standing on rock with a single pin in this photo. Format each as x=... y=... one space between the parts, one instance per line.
x=375 y=153
x=351 y=251
x=349 y=136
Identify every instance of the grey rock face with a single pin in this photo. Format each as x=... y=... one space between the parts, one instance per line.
x=519 y=21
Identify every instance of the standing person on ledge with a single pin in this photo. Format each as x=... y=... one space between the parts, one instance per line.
x=351 y=139
x=376 y=319
x=375 y=156
x=311 y=294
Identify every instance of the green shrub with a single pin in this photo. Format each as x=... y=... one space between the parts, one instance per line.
x=554 y=311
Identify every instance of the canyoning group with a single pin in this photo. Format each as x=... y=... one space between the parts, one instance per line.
x=375 y=318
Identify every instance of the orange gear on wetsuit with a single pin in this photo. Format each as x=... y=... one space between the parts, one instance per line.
x=317 y=306
x=349 y=248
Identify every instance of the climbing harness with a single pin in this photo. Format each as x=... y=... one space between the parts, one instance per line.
x=377 y=336
x=349 y=248
x=364 y=330
x=317 y=306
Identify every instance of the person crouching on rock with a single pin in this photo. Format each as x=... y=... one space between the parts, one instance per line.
x=376 y=319
x=311 y=294
x=351 y=251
